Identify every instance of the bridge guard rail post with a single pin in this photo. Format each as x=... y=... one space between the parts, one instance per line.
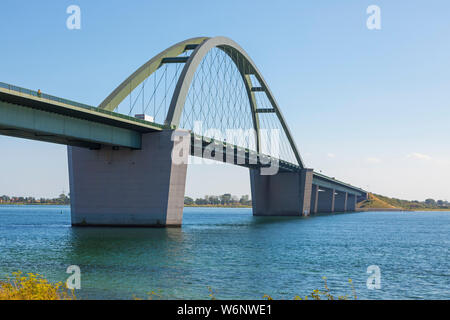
x=124 y=187
x=282 y=194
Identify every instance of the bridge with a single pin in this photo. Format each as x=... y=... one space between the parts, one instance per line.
x=202 y=97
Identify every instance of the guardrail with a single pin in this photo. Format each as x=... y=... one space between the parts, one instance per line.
x=201 y=142
x=49 y=97
x=332 y=179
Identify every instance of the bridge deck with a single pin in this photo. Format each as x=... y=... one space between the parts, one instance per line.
x=28 y=114
x=331 y=183
x=32 y=99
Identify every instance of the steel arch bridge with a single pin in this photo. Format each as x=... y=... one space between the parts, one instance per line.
x=206 y=89
x=215 y=82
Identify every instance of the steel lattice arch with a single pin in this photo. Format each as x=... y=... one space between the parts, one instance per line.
x=207 y=86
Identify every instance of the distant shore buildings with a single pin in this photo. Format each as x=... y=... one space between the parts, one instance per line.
x=61 y=200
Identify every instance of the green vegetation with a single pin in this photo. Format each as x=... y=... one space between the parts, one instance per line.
x=35 y=287
x=377 y=201
x=226 y=200
x=61 y=200
x=323 y=295
x=428 y=204
x=315 y=295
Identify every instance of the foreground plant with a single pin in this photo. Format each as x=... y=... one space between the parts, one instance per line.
x=322 y=295
x=32 y=286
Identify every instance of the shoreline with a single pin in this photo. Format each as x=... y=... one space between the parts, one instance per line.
x=215 y=206
x=34 y=204
x=244 y=207
x=400 y=209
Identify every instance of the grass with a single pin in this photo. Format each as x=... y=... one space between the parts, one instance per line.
x=412 y=205
x=32 y=286
x=374 y=202
x=377 y=201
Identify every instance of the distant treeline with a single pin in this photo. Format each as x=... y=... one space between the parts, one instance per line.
x=61 y=200
x=226 y=199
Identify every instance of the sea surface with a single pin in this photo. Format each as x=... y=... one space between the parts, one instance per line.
x=235 y=255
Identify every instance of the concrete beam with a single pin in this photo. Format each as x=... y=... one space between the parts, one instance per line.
x=44 y=102
x=283 y=194
x=331 y=183
x=143 y=188
x=20 y=121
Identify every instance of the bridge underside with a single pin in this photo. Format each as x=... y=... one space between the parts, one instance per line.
x=282 y=194
x=145 y=188
x=299 y=193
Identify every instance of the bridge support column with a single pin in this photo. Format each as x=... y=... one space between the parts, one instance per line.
x=283 y=194
x=143 y=188
x=340 y=202
x=326 y=200
x=314 y=198
x=363 y=197
x=351 y=202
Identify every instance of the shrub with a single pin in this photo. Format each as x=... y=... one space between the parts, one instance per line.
x=32 y=286
x=322 y=295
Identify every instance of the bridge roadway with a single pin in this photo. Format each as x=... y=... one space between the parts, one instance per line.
x=34 y=115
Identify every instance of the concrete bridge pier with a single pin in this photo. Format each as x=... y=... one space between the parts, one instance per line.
x=282 y=194
x=326 y=200
x=340 y=201
x=314 y=198
x=130 y=188
x=351 y=202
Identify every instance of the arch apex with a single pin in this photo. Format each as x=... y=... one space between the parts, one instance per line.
x=120 y=93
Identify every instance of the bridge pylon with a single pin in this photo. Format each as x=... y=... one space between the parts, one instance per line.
x=129 y=188
x=282 y=194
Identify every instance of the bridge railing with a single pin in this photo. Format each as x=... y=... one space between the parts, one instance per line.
x=239 y=155
x=334 y=180
x=49 y=97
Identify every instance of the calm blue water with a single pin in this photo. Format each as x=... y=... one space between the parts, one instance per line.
x=236 y=254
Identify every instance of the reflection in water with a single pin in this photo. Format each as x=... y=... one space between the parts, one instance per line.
x=117 y=240
x=140 y=254
x=238 y=255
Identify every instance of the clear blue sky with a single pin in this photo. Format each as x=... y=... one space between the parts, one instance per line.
x=370 y=107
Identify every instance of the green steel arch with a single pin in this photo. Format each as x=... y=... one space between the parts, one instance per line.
x=201 y=46
x=124 y=89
